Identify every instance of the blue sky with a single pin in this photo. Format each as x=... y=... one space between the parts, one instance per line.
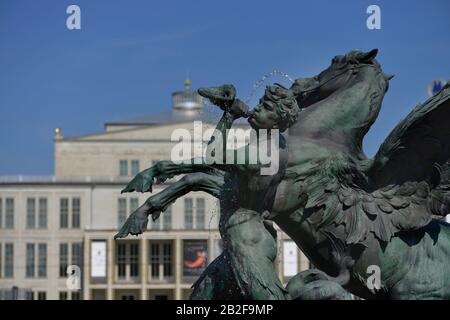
x=130 y=56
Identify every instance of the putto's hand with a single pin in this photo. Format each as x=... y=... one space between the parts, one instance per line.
x=238 y=109
x=222 y=96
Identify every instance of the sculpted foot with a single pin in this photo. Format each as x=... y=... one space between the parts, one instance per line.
x=135 y=224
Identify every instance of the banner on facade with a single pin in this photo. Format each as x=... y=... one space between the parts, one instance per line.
x=290 y=258
x=195 y=257
x=98 y=259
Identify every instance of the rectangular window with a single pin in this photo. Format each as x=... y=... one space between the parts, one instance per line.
x=1 y=261
x=63 y=295
x=134 y=167
x=200 y=208
x=121 y=211
x=9 y=260
x=154 y=260
x=121 y=260
x=188 y=217
x=134 y=260
x=123 y=168
x=30 y=258
x=76 y=213
x=160 y=260
x=64 y=213
x=76 y=295
x=41 y=295
x=43 y=213
x=127 y=261
x=63 y=259
x=31 y=213
x=167 y=260
x=77 y=254
x=9 y=213
x=167 y=218
x=42 y=260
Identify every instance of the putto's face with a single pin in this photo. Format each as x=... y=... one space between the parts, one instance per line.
x=264 y=115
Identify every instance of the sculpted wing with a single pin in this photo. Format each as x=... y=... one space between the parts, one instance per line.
x=416 y=145
x=406 y=183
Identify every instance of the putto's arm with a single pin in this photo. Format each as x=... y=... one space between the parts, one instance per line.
x=218 y=142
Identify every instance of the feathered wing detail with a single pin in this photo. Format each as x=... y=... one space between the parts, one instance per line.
x=339 y=191
x=416 y=144
x=415 y=158
x=406 y=183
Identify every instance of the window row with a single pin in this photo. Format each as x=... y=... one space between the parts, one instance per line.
x=37 y=213
x=70 y=213
x=161 y=260
x=36 y=259
x=128 y=167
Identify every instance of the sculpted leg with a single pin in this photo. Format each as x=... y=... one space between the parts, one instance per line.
x=217 y=282
x=154 y=205
x=252 y=250
x=199 y=181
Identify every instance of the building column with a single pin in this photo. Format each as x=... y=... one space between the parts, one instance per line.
x=178 y=269
x=110 y=268
x=144 y=269
x=86 y=269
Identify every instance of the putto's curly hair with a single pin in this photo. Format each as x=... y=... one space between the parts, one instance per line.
x=284 y=103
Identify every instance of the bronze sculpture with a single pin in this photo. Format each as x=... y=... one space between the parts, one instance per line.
x=345 y=211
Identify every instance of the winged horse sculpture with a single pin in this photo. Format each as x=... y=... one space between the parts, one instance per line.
x=347 y=212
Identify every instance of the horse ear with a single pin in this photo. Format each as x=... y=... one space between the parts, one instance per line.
x=368 y=56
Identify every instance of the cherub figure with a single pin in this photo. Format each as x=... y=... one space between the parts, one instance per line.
x=249 y=240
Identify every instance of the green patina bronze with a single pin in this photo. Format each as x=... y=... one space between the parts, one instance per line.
x=346 y=212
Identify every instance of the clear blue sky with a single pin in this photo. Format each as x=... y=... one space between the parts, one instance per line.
x=130 y=56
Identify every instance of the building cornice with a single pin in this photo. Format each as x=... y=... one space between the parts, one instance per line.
x=65 y=181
